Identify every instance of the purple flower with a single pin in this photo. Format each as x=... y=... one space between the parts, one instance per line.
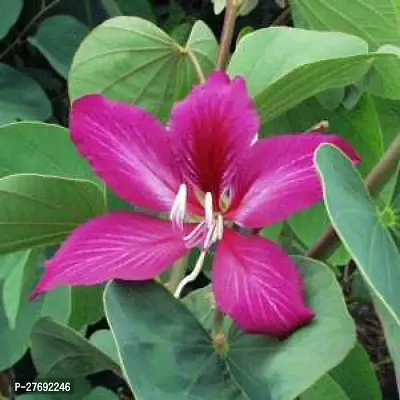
x=207 y=170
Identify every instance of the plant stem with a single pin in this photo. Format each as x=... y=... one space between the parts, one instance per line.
x=218 y=334
x=28 y=26
x=228 y=29
x=196 y=65
x=283 y=18
x=374 y=183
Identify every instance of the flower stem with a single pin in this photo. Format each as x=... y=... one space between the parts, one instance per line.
x=374 y=183
x=218 y=334
x=196 y=65
x=231 y=14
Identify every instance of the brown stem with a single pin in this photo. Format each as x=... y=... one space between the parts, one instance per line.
x=283 y=18
x=196 y=64
x=218 y=335
x=231 y=14
x=28 y=26
x=374 y=183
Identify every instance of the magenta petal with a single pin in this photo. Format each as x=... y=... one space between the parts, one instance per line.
x=128 y=148
x=115 y=246
x=279 y=178
x=258 y=286
x=210 y=128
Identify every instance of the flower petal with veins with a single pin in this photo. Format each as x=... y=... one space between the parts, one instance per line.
x=258 y=286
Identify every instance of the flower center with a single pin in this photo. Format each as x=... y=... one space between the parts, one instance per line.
x=210 y=228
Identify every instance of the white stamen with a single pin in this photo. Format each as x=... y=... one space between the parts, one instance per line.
x=178 y=210
x=193 y=236
x=208 y=209
x=192 y=276
x=210 y=238
x=220 y=227
x=255 y=139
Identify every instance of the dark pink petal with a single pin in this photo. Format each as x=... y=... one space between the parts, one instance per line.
x=258 y=286
x=115 y=246
x=278 y=178
x=126 y=147
x=210 y=128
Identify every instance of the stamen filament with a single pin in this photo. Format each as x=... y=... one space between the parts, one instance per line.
x=208 y=209
x=192 y=276
x=179 y=207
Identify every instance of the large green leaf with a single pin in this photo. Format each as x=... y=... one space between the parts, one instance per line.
x=377 y=22
x=41 y=210
x=57 y=39
x=165 y=351
x=10 y=11
x=360 y=126
x=15 y=337
x=21 y=98
x=35 y=147
x=284 y=66
x=357 y=221
x=59 y=352
x=130 y=59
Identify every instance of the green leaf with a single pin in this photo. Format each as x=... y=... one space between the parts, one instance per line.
x=361 y=127
x=389 y=116
x=59 y=352
x=15 y=340
x=357 y=368
x=130 y=59
x=101 y=393
x=284 y=66
x=287 y=368
x=38 y=148
x=166 y=351
x=40 y=210
x=326 y=388
x=57 y=39
x=13 y=285
x=377 y=22
x=86 y=306
x=356 y=219
x=21 y=97
x=10 y=11
x=104 y=340
x=137 y=8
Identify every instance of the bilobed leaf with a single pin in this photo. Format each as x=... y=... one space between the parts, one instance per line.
x=130 y=59
x=57 y=39
x=42 y=210
x=21 y=98
x=59 y=352
x=356 y=219
x=10 y=11
x=39 y=148
x=15 y=338
x=103 y=339
x=100 y=393
x=166 y=352
x=284 y=66
x=269 y=369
